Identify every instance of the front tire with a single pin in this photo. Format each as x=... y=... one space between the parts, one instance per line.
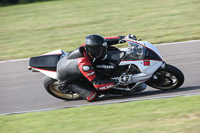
x=166 y=79
x=51 y=86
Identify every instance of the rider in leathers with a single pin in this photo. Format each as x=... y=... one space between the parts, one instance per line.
x=76 y=71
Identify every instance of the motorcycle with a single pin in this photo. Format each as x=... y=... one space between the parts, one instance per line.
x=140 y=60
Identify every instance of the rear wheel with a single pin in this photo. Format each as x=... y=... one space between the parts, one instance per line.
x=51 y=85
x=167 y=79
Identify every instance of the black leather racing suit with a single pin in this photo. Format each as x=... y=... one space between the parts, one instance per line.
x=76 y=71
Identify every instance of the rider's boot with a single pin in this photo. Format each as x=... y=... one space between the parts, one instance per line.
x=63 y=87
x=85 y=90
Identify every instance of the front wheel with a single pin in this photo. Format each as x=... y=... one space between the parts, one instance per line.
x=51 y=86
x=166 y=79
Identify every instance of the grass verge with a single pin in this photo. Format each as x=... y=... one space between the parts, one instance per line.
x=33 y=29
x=173 y=115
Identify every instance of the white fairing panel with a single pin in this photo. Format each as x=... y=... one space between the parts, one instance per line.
x=52 y=74
x=150 y=46
x=59 y=51
x=147 y=69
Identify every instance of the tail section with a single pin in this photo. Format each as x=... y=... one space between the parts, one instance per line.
x=47 y=63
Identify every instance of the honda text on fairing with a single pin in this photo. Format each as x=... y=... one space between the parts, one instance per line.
x=140 y=60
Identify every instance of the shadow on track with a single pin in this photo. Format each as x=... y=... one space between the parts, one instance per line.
x=152 y=93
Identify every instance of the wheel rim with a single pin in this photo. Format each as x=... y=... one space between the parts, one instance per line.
x=165 y=80
x=53 y=87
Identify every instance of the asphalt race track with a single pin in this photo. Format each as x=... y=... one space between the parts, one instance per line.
x=22 y=90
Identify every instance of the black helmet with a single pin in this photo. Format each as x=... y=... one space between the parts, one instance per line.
x=96 y=45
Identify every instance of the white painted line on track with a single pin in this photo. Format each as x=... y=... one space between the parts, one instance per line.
x=173 y=43
x=15 y=60
x=162 y=44
x=104 y=103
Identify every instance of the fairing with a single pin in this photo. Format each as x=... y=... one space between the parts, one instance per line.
x=145 y=56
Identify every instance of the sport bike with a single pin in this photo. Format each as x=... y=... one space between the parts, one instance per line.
x=140 y=60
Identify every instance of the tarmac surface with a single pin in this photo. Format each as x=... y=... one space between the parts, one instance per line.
x=22 y=90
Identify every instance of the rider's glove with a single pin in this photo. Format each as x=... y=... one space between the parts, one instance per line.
x=121 y=39
x=124 y=79
x=131 y=36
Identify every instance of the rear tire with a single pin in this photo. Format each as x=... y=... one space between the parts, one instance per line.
x=167 y=79
x=51 y=86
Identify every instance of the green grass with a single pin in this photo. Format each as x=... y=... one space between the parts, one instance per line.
x=174 y=115
x=33 y=29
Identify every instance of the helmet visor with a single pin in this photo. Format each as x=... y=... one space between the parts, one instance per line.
x=98 y=52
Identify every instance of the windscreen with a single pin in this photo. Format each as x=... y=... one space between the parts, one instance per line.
x=135 y=51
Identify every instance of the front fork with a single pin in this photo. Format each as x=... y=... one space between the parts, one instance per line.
x=162 y=67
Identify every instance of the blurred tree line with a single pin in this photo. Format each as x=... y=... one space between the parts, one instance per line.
x=13 y=2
